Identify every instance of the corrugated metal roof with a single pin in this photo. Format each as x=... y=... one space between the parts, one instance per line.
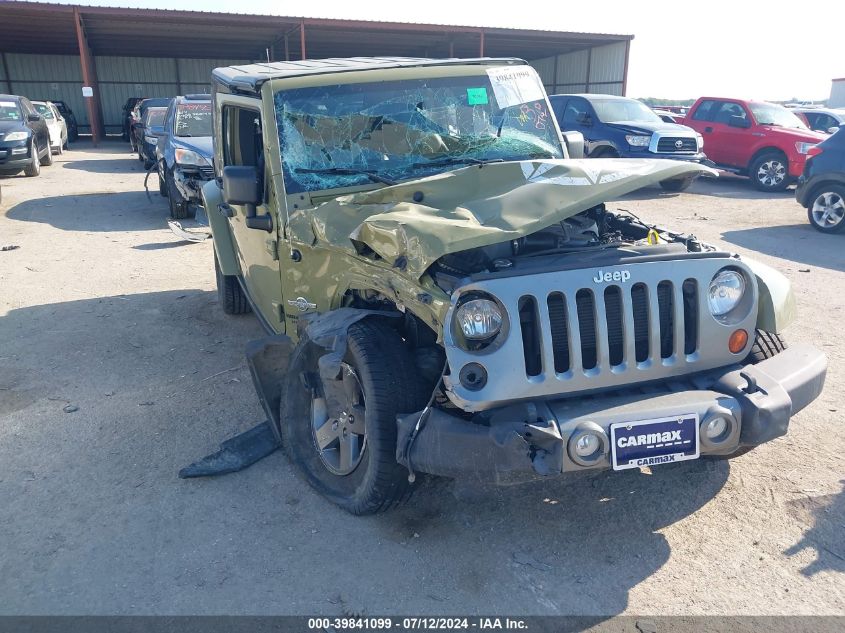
x=41 y=27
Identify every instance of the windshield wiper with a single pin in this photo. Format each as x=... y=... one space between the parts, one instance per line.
x=457 y=160
x=344 y=171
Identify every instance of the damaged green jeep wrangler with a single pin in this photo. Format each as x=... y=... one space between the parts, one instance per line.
x=445 y=291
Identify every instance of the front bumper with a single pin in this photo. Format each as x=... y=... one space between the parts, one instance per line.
x=530 y=439
x=14 y=155
x=190 y=180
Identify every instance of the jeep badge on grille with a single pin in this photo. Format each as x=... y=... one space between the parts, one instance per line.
x=617 y=275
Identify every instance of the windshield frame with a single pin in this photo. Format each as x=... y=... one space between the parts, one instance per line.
x=554 y=148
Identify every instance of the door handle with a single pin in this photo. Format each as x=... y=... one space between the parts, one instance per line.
x=708 y=130
x=225 y=210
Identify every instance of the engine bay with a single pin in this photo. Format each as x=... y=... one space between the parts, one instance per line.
x=594 y=235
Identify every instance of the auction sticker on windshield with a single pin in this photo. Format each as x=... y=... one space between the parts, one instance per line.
x=513 y=85
x=654 y=442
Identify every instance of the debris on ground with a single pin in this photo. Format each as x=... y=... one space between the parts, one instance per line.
x=236 y=453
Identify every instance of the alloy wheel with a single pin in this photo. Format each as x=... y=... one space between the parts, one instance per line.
x=337 y=422
x=771 y=173
x=828 y=210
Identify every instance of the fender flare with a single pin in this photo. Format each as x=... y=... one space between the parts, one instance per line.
x=602 y=145
x=220 y=233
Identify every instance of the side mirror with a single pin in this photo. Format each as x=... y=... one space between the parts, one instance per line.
x=240 y=185
x=832 y=130
x=739 y=121
x=33 y=118
x=574 y=142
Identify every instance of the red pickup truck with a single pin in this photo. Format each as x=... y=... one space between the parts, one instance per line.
x=761 y=140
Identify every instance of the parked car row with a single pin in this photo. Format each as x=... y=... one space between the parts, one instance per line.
x=30 y=132
x=174 y=135
x=763 y=141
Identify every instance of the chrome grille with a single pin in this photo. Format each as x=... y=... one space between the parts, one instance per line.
x=569 y=333
x=669 y=144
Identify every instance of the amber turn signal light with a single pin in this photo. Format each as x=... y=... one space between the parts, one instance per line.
x=737 y=341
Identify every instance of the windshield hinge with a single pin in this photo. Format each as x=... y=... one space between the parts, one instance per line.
x=272 y=247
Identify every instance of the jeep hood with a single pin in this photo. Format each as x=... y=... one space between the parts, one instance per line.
x=412 y=224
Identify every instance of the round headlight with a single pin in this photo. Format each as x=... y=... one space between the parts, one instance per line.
x=725 y=292
x=479 y=319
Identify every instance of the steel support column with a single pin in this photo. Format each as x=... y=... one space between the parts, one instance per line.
x=481 y=45
x=89 y=78
x=589 y=69
x=302 y=38
x=625 y=72
x=6 y=73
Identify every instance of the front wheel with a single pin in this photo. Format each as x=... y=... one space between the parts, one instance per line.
x=827 y=210
x=34 y=166
x=229 y=292
x=770 y=172
x=48 y=157
x=178 y=204
x=676 y=185
x=340 y=433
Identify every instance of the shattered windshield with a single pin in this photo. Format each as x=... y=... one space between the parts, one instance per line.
x=354 y=134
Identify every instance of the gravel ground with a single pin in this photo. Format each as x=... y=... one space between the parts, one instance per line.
x=103 y=312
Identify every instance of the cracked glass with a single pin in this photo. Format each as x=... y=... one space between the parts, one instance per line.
x=347 y=135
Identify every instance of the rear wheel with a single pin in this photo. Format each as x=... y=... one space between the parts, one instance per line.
x=826 y=212
x=229 y=292
x=341 y=433
x=770 y=172
x=47 y=160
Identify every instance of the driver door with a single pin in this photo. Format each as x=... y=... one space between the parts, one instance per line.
x=256 y=249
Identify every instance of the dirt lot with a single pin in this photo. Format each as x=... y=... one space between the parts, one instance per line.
x=103 y=309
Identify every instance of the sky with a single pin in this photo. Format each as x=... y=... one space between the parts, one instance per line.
x=681 y=50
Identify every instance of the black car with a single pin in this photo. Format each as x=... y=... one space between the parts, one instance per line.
x=69 y=117
x=128 y=107
x=185 y=153
x=152 y=128
x=24 y=137
x=138 y=113
x=821 y=188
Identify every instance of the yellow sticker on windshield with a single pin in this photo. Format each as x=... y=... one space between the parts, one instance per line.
x=477 y=96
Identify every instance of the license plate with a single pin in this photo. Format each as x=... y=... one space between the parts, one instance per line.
x=654 y=442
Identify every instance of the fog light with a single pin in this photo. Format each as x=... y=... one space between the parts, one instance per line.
x=738 y=341
x=715 y=428
x=20 y=150
x=586 y=445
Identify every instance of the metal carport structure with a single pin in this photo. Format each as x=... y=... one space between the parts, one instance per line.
x=49 y=51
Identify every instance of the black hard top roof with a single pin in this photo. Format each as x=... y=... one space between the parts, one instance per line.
x=250 y=77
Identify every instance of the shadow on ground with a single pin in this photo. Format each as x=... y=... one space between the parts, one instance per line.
x=159 y=381
x=800 y=243
x=121 y=211
x=826 y=516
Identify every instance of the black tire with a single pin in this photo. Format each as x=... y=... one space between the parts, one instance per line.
x=178 y=204
x=385 y=373
x=766 y=345
x=231 y=296
x=676 y=185
x=148 y=163
x=162 y=188
x=770 y=172
x=826 y=208
x=47 y=160
x=34 y=167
